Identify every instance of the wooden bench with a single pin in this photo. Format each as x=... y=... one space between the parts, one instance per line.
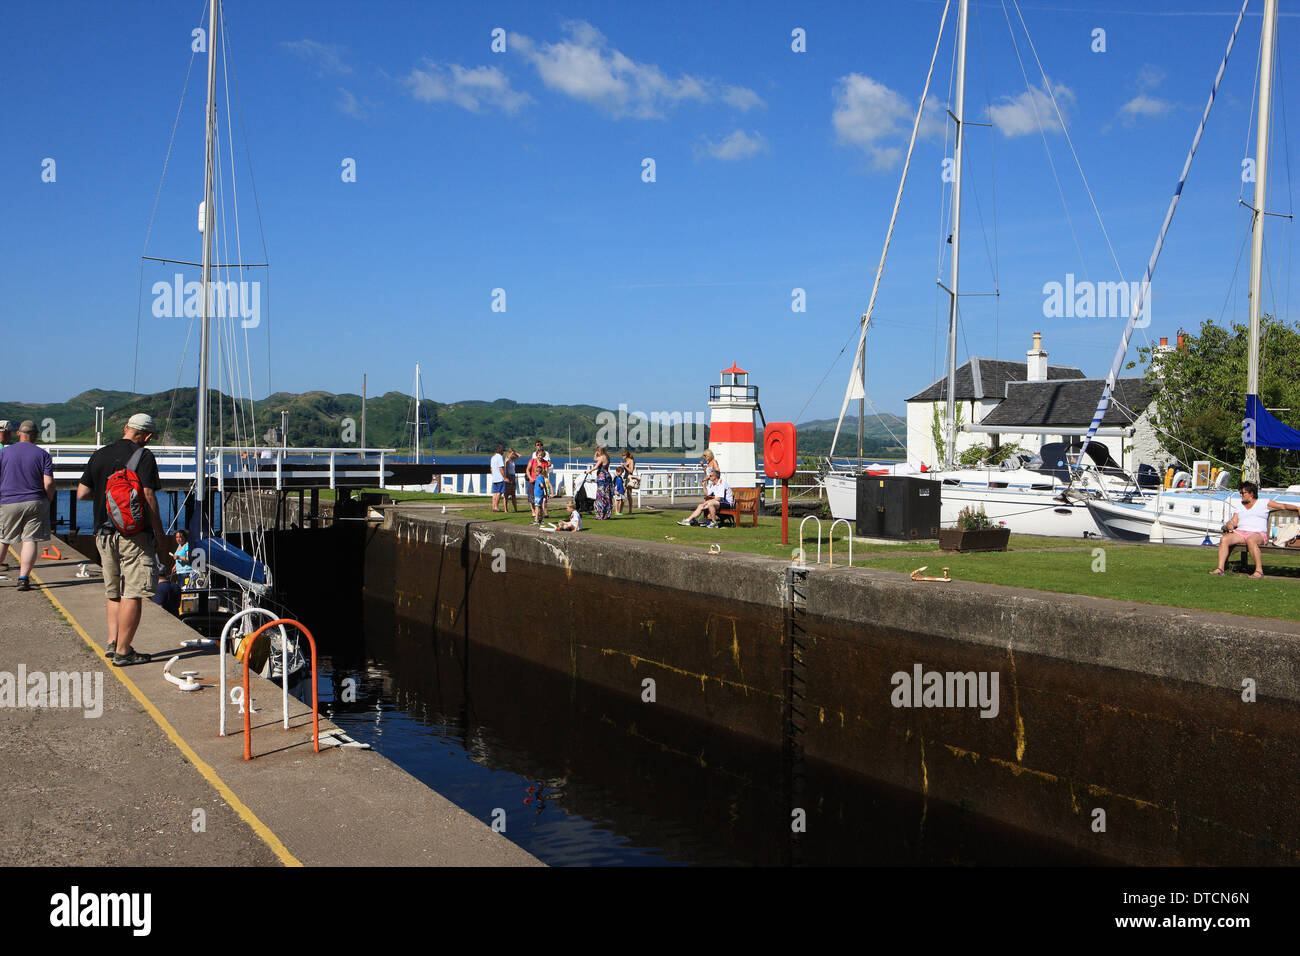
x=1280 y=524
x=747 y=501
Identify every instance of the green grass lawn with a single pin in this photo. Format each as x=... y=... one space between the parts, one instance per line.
x=653 y=525
x=1150 y=574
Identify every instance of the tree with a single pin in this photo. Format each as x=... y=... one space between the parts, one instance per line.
x=1201 y=391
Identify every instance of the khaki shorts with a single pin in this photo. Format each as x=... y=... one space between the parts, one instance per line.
x=25 y=521
x=128 y=564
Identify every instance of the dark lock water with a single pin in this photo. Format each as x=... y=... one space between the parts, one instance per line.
x=583 y=777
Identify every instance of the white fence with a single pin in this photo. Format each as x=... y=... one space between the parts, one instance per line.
x=657 y=481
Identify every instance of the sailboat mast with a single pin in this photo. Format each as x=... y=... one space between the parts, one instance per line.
x=1250 y=468
x=209 y=219
x=417 y=413
x=959 y=117
x=862 y=368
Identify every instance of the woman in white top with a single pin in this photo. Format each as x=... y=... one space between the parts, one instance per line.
x=1249 y=526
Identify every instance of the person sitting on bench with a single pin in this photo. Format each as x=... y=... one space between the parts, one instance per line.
x=1249 y=526
x=719 y=496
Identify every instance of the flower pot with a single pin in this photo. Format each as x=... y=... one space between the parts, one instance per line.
x=988 y=539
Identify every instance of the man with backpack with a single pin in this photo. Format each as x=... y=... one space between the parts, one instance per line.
x=122 y=479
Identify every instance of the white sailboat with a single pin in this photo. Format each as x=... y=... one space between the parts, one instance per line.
x=1044 y=495
x=1029 y=500
x=1192 y=516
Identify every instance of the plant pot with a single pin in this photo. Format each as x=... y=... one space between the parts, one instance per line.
x=988 y=539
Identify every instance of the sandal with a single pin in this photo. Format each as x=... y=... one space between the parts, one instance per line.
x=131 y=657
x=1258 y=574
x=1217 y=571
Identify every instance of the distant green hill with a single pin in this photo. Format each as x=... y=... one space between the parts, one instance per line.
x=321 y=420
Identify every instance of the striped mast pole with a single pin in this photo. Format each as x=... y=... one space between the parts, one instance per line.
x=1139 y=301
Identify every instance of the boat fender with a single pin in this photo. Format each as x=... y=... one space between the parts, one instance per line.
x=187 y=679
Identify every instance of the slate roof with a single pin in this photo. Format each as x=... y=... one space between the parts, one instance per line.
x=1070 y=403
x=992 y=376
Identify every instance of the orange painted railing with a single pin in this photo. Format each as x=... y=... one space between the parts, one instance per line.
x=315 y=704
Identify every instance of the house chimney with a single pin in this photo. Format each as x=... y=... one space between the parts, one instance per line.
x=1182 y=342
x=1164 y=341
x=1159 y=352
x=1036 y=364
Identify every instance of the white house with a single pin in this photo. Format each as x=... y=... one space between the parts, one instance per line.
x=1015 y=396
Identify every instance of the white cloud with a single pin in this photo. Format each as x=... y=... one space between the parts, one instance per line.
x=349 y=104
x=325 y=59
x=1024 y=114
x=737 y=145
x=1142 y=106
x=472 y=88
x=870 y=115
x=585 y=67
x=741 y=98
x=1150 y=76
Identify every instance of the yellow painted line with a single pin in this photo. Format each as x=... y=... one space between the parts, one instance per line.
x=247 y=815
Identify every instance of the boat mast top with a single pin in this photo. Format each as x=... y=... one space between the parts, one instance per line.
x=959 y=117
x=209 y=220
x=1250 y=467
x=417 y=413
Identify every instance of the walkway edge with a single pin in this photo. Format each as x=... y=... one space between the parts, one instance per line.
x=209 y=774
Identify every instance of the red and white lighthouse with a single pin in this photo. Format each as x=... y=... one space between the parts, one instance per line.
x=731 y=426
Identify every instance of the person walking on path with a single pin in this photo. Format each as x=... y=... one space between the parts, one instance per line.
x=129 y=557
x=6 y=437
x=26 y=491
x=1249 y=526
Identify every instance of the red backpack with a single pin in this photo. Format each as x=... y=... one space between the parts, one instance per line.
x=124 y=497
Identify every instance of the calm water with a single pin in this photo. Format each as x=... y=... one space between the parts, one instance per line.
x=588 y=778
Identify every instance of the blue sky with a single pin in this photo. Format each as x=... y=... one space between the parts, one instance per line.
x=775 y=170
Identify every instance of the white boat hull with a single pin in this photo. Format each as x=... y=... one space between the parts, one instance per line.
x=1023 y=510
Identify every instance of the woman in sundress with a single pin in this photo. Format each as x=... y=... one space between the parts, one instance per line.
x=604 y=485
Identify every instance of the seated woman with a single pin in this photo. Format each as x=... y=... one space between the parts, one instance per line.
x=719 y=496
x=1249 y=526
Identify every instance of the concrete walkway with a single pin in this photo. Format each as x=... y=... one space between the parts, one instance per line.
x=149 y=782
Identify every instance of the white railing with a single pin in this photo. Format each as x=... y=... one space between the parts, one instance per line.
x=657 y=481
x=234 y=464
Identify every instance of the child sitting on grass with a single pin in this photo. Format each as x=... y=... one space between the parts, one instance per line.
x=575 y=519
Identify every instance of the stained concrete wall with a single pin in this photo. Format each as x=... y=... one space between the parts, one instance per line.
x=1132 y=710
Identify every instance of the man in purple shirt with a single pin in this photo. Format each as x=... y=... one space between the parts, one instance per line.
x=26 y=490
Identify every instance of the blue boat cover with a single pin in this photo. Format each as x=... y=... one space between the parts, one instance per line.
x=1266 y=430
x=223 y=557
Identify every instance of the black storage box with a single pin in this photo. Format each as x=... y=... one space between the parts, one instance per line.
x=898 y=506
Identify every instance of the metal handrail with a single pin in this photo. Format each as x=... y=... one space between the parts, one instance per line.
x=832 y=541
x=284 y=664
x=315 y=692
x=819 y=536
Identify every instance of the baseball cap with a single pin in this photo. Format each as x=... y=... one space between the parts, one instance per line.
x=142 y=423
x=6 y=425
x=27 y=425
